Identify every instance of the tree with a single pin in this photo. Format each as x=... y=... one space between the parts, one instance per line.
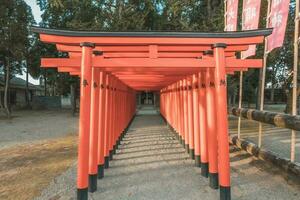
x=15 y=21
x=130 y=15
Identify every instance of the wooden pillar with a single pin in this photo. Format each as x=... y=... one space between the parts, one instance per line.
x=181 y=113
x=84 y=121
x=106 y=127
x=190 y=118
x=101 y=128
x=203 y=124
x=94 y=131
x=111 y=117
x=178 y=110
x=185 y=115
x=222 y=121
x=212 y=141
x=196 y=120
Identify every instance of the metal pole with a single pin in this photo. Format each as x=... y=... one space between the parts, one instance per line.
x=295 y=78
x=263 y=78
x=240 y=103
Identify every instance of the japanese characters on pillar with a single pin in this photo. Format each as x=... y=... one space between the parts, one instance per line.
x=203 y=124
x=184 y=102
x=222 y=121
x=101 y=127
x=231 y=15
x=277 y=20
x=93 y=167
x=212 y=141
x=250 y=21
x=84 y=122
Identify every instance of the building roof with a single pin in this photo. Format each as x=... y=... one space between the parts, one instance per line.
x=19 y=83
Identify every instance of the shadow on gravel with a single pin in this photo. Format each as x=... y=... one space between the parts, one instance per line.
x=148 y=149
x=151 y=155
x=128 y=146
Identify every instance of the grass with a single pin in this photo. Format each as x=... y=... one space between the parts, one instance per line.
x=26 y=170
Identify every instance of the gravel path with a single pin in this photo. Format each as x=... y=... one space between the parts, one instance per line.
x=150 y=164
x=30 y=126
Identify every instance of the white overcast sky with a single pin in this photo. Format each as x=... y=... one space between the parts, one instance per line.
x=37 y=16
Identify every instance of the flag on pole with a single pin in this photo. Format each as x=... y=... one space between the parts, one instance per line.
x=250 y=21
x=277 y=20
x=231 y=15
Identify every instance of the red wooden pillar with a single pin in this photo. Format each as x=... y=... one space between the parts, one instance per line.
x=178 y=111
x=182 y=141
x=185 y=107
x=190 y=117
x=172 y=103
x=166 y=102
x=84 y=121
x=114 y=118
x=222 y=123
x=203 y=130
x=111 y=117
x=119 y=115
x=196 y=120
x=211 y=130
x=107 y=115
x=94 y=131
x=101 y=128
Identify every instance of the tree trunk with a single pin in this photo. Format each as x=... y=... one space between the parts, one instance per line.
x=272 y=93
x=1 y=103
x=209 y=8
x=258 y=89
x=45 y=82
x=73 y=98
x=6 y=90
x=288 y=108
x=234 y=98
x=27 y=87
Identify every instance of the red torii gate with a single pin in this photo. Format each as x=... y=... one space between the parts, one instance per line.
x=188 y=68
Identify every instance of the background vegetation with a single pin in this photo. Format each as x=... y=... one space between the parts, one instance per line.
x=20 y=50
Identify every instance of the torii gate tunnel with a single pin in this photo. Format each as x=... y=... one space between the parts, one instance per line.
x=188 y=69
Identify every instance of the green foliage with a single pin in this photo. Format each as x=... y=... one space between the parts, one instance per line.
x=125 y=15
x=15 y=21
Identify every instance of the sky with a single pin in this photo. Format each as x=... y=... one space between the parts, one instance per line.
x=37 y=16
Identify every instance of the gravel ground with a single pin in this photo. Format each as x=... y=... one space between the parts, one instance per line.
x=30 y=126
x=150 y=164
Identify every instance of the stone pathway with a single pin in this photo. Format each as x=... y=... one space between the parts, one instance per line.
x=151 y=164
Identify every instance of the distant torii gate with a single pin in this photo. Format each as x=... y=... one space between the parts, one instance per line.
x=188 y=68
